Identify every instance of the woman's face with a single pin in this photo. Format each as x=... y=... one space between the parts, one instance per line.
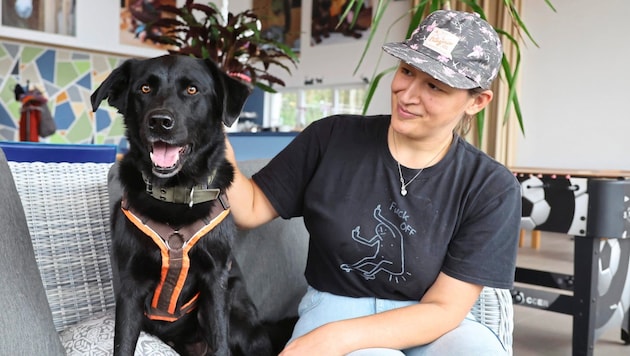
x=423 y=106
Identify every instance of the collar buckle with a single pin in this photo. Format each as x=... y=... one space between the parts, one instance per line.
x=200 y=193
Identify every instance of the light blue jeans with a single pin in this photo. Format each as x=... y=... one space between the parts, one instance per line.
x=469 y=338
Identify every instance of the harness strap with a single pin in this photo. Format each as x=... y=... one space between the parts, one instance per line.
x=174 y=244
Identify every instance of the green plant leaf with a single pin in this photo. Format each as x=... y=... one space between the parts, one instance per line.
x=235 y=44
x=266 y=88
x=352 y=5
x=476 y=8
x=550 y=5
x=418 y=15
x=510 y=72
x=373 y=85
x=380 y=10
x=481 y=122
x=509 y=4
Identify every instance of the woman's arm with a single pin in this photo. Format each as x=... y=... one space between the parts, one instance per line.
x=442 y=309
x=248 y=204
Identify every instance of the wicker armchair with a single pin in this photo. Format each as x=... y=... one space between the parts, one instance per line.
x=494 y=309
x=69 y=226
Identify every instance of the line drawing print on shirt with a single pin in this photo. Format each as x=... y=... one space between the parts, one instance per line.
x=389 y=249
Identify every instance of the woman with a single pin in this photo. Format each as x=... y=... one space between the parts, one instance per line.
x=407 y=221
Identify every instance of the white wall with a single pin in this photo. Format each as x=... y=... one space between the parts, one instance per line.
x=575 y=91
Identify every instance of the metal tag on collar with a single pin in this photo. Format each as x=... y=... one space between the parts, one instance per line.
x=191 y=202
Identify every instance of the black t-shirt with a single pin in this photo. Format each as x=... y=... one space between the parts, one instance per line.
x=460 y=216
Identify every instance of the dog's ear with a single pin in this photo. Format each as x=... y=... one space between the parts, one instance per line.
x=114 y=87
x=235 y=93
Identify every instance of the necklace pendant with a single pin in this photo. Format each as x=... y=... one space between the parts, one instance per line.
x=403 y=191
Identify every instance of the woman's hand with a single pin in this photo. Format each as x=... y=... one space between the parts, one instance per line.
x=325 y=340
x=229 y=152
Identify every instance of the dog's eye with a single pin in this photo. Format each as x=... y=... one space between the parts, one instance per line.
x=191 y=90
x=145 y=89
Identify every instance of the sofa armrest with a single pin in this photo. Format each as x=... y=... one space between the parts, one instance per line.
x=26 y=317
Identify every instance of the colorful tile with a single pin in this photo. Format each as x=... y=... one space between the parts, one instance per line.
x=64 y=116
x=67 y=77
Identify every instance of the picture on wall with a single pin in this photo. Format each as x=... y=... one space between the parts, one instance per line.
x=134 y=15
x=328 y=28
x=281 y=20
x=52 y=16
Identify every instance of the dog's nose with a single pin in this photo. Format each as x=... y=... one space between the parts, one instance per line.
x=160 y=121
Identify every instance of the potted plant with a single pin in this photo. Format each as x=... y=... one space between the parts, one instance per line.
x=420 y=9
x=236 y=44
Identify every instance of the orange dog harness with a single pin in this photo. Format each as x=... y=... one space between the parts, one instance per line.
x=174 y=244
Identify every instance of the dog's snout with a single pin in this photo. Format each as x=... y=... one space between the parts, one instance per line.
x=161 y=122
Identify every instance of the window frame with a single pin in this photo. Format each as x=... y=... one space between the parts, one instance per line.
x=273 y=105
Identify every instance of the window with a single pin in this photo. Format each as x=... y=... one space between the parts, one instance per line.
x=296 y=109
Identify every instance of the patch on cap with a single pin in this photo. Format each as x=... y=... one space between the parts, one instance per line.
x=441 y=41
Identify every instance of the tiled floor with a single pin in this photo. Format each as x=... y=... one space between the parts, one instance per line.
x=544 y=333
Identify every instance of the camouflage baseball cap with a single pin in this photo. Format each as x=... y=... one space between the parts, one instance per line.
x=457 y=48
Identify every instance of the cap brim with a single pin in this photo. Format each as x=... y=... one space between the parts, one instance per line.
x=429 y=65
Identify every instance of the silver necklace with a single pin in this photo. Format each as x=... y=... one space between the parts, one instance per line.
x=403 y=185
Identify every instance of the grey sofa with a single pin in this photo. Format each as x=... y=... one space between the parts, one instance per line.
x=57 y=284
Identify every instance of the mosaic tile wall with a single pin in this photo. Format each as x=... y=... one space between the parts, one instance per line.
x=68 y=78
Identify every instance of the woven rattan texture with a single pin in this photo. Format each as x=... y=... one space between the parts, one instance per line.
x=494 y=309
x=67 y=212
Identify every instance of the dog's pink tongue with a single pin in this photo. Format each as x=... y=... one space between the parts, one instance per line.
x=165 y=155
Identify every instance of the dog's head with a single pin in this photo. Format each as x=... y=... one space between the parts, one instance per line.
x=174 y=108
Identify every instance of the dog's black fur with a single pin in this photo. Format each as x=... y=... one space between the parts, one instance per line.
x=179 y=104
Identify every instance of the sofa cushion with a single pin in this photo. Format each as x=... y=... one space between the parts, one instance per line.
x=272 y=258
x=26 y=318
x=95 y=336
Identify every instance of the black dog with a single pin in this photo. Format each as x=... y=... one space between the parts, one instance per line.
x=172 y=230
